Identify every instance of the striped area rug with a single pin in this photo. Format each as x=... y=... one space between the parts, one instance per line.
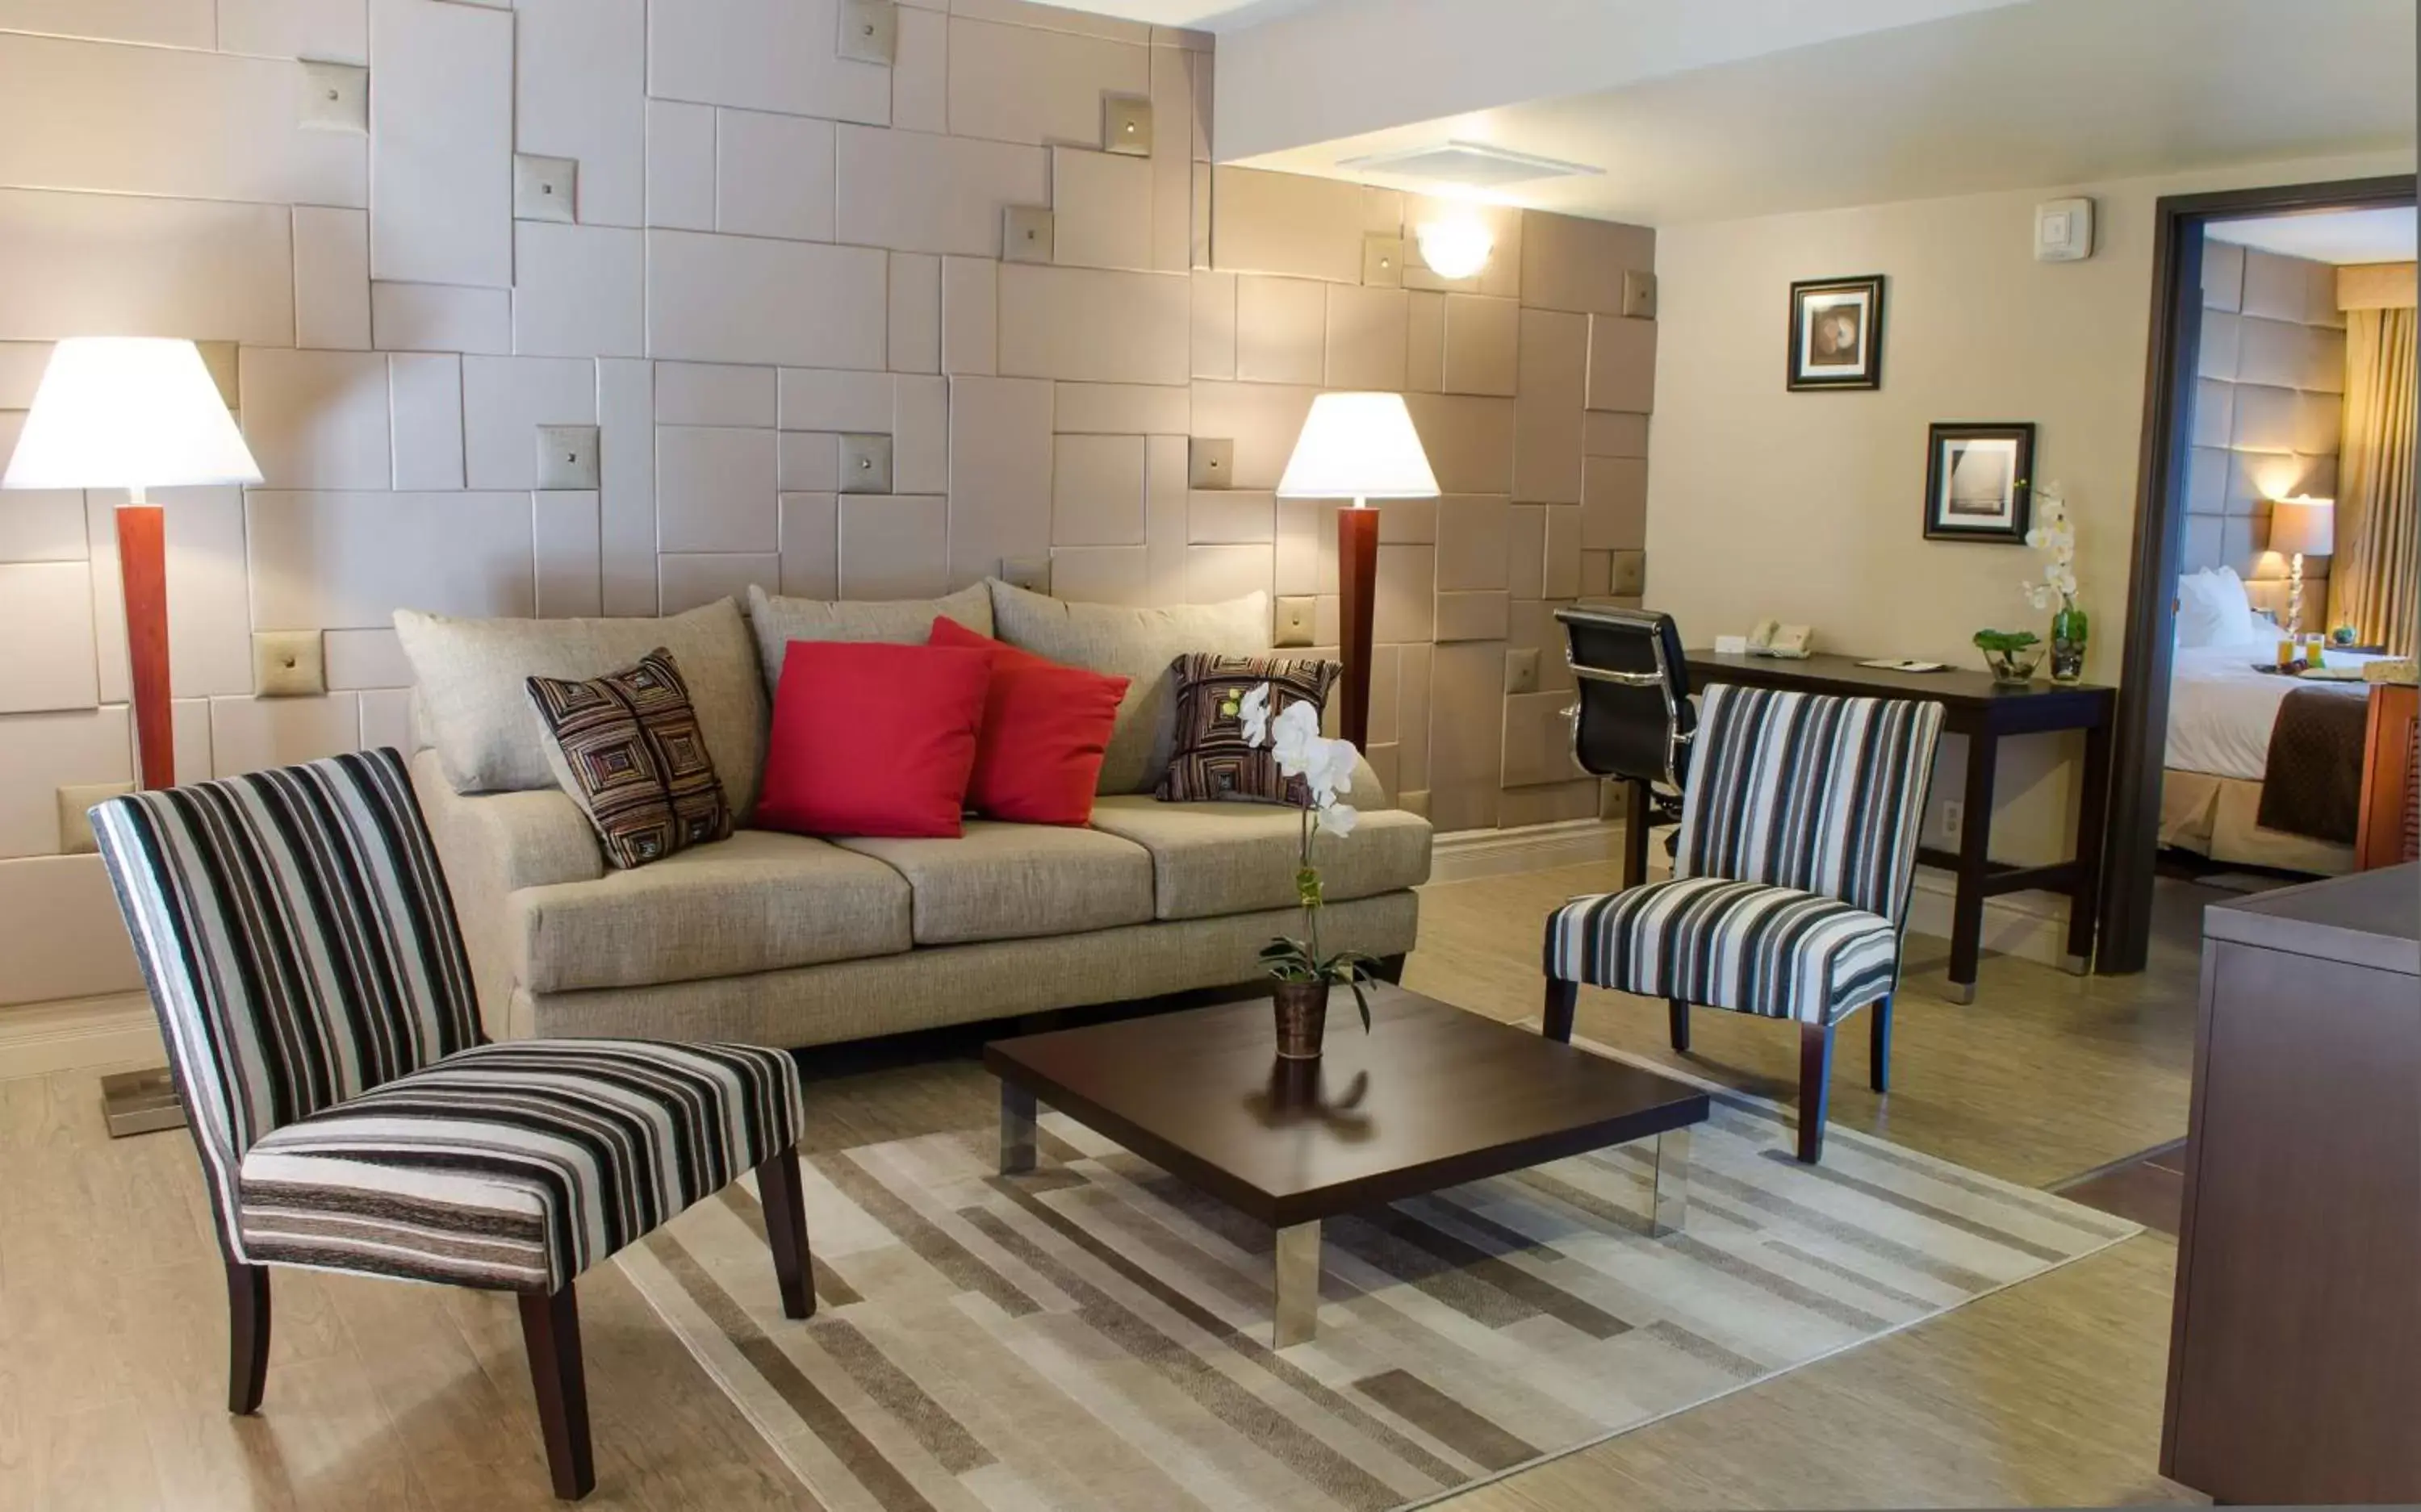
x=1096 y=1334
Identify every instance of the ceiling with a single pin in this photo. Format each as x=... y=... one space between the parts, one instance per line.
x=2032 y=94
x=2338 y=236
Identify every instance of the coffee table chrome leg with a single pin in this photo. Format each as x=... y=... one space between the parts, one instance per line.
x=1016 y=1128
x=1672 y=1180
x=1298 y=1298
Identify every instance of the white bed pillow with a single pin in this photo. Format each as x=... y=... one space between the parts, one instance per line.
x=2212 y=609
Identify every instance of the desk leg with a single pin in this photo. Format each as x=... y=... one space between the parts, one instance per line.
x=2092 y=824
x=1975 y=846
x=1638 y=804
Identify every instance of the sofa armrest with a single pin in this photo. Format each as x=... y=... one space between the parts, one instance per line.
x=493 y=845
x=1368 y=791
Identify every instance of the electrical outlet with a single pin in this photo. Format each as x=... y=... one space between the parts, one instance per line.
x=567 y=458
x=1639 y=294
x=544 y=189
x=1521 y=669
x=288 y=664
x=1210 y=461
x=870 y=30
x=1297 y=619
x=1626 y=574
x=1383 y=260
x=75 y=817
x=1025 y=234
x=334 y=97
x=1126 y=126
x=865 y=464
x=1954 y=823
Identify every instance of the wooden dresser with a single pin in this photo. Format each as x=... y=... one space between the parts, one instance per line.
x=2295 y=1348
x=2390 y=829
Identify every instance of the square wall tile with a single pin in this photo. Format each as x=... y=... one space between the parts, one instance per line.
x=1368 y=330
x=1096 y=490
x=1569 y=263
x=1281 y=330
x=1549 y=407
x=579 y=74
x=75 y=264
x=1262 y=419
x=1018 y=84
x=1469 y=441
x=1093 y=324
x=1215 y=574
x=774 y=176
x=915 y=193
x=1613 y=504
x=828 y=399
x=763 y=54
x=714 y=394
x=441 y=201
x=1472 y=536
x=578 y=290
x=504 y=399
x=349 y=561
x=1284 y=223
x=893 y=547
x=441 y=317
x=1604 y=433
x=1000 y=470
x=1482 y=338
x=716 y=489
x=1101 y=574
x=316 y=419
x=752 y=300
x=1122 y=410
x=1621 y=363
x=1227 y=517
x=680 y=166
x=811 y=545
x=48 y=604
x=332 y=277
x=1101 y=205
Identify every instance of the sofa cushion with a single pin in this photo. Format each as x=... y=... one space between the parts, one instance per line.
x=472 y=677
x=757 y=902
x=1210 y=859
x=1045 y=726
x=626 y=748
x=779 y=619
x=1013 y=882
x=1137 y=644
x=874 y=740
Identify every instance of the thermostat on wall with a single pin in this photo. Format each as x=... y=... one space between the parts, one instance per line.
x=2063 y=231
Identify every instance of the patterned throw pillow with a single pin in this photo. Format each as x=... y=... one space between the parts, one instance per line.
x=627 y=748
x=1212 y=760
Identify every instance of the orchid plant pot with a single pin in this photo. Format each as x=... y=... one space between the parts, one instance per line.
x=1302 y=1017
x=2069 y=630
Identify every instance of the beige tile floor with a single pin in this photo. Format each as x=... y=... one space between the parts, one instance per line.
x=112 y=1333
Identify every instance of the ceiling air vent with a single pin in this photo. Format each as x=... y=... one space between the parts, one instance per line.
x=1474 y=164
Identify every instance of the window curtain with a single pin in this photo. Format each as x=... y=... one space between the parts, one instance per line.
x=2372 y=581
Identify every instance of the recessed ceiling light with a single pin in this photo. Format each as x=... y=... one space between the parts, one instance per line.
x=1471 y=164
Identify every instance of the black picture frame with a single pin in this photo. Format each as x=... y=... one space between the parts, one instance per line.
x=1807 y=368
x=2010 y=446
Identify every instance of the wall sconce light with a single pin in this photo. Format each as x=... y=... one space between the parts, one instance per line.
x=1454 y=248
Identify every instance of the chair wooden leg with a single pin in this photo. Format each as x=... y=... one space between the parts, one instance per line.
x=551 y=1333
x=786 y=1230
x=247 y=1335
x=1815 y=1087
x=1562 y=998
x=1679 y=1012
x=1879 y=1044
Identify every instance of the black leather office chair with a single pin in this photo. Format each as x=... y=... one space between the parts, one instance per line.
x=1635 y=719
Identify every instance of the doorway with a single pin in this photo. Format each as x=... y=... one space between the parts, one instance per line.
x=2162 y=524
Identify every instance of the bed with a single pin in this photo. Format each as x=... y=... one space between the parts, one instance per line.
x=2222 y=713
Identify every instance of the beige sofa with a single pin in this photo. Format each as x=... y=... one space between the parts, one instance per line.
x=781 y=939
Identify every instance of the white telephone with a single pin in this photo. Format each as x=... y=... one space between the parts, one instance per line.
x=1772 y=637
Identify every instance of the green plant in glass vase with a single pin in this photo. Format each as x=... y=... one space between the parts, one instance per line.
x=2055 y=535
x=1302 y=973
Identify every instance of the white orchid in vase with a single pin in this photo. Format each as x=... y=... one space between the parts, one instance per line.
x=1325 y=768
x=2055 y=535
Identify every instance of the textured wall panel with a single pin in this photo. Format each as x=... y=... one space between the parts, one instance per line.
x=1014 y=84
x=329 y=561
x=999 y=475
x=580 y=71
x=748 y=299
x=917 y=192
x=87 y=265
x=317 y=419
x=504 y=399
x=1093 y=324
x=441 y=142
x=773 y=175
x=578 y=290
x=763 y=54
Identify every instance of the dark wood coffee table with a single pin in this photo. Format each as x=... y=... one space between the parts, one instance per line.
x=1432 y=1096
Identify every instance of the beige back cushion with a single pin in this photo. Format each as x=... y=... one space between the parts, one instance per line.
x=488 y=737
x=778 y=621
x=1138 y=645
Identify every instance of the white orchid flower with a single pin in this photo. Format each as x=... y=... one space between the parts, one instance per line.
x=1292 y=735
x=1330 y=770
x=1338 y=819
x=1252 y=712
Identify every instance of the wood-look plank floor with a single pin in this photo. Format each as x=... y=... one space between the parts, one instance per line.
x=384 y=1395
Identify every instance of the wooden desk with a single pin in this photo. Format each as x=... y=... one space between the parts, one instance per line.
x=2295 y=1346
x=1983 y=710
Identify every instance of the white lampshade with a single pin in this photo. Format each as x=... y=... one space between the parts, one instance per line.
x=1358 y=447
x=127 y=412
x=2304 y=524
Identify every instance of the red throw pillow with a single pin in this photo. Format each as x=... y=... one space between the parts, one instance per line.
x=873 y=739
x=1043 y=733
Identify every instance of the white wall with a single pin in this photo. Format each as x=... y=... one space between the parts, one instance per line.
x=1807 y=507
x=773 y=245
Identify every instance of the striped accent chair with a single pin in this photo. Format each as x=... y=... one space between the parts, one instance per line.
x=307 y=968
x=1791 y=884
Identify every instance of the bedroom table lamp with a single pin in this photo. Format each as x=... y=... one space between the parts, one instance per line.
x=2299 y=527
x=133 y=412
x=1357 y=447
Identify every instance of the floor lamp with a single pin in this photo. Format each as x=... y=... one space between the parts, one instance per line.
x=134 y=413
x=1357 y=447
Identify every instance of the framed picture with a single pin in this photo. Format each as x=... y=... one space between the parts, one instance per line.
x=1836 y=333
x=1979 y=482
